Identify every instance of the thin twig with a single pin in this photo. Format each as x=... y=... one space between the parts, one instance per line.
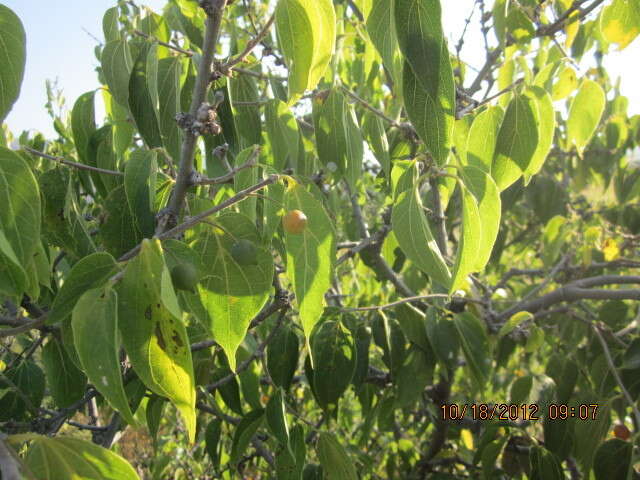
x=188 y=53
x=251 y=162
x=250 y=45
x=80 y=166
x=415 y=299
x=12 y=332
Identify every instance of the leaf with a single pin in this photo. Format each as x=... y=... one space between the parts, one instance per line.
x=620 y=22
x=310 y=256
x=354 y=147
x=83 y=124
x=95 y=335
x=140 y=176
x=243 y=88
x=245 y=179
x=110 y=24
x=475 y=346
x=584 y=114
x=212 y=440
x=487 y=194
x=376 y=136
x=469 y=243
x=90 y=272
x=415 y=238
x=119 y=231
x=66 y=383
x=330 y=131
x=29 y=379
x=20 y=220
x=283 y=133
x=306 y=31
x=153 y=412
x=334 y=361
x=428 y=86
x=169 y=71
x=277 y=419
x=546 y=128
x=53 y=458
x=117 y=65
x=282 y=356
x=613 y=459
x=334 y=459
x=517 y=142
x=141 y=101
x=290 y=462
x=381 y=28
x=545 y=465
x=482 y=138
x=244 y=433
x=12 y=58
x=515 y=320
x=152 y=331
x=233 y=294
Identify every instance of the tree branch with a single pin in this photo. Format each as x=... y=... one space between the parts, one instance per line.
x=80 y=166
x=250 y=46
x=212 y=29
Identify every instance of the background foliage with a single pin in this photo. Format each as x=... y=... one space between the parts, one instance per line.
x=470 y=244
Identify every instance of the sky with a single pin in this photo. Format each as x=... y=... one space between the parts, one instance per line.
x=61 y=36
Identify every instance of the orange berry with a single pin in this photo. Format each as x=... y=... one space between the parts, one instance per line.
x=621 y=432
x=294 y=222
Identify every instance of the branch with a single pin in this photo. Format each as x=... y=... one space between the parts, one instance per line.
x=12 y=332
x=415 y=299
x=193 y=221
x=440 y=219
x=579 y=290
x=251 y=162
x=80 y=166
x=9 y=462
x=212 y=28
x=188 y=53
x=568 y=18
x=250 y=46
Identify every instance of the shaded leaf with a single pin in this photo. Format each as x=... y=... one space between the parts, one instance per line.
x=12 y=58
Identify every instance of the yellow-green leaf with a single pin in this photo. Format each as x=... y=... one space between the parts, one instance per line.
x=12 y=58
x=95 y=336
x=469 y=243
x=585 y=113
x=620 y=22
x=153 y=333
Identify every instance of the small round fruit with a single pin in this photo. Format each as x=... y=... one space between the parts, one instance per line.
x=244 y=252
x=184 y=277
x=295 y=221
x=621 y=432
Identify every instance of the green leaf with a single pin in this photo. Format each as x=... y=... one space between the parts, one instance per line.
x=140 y=176
x=620 y=22
x=212 y=440
x=584 y=114
x=245 y=179
x=376 y=136
x=244 y=433
x=475 y=346
x=95 y=335
x=334 y=361
x=330 y=131
x=283 y=133
x=20 y=219
x=153 y=333
x=153 y=412
x=141 y=100
x=232 y=293
x=169 y=71
x=546 y=118
x=110 y=24
x=428 y=86
x=53 y=458
x=306 y=31
x=482 y=138
x=487 y=194
x=469 y=243
x=66 y=383
x=83 y=124
x=282 y=356
x=415 y=238
x=334 y=459
x=90 y=272
x=545 y=465
x=613 y=459
x=119 y=231
x=381 y=28
x=517 y=142
x=515 y=320
x=277 y=418
x=290 y=462
x=310 y=256
x=243 y=88
x=29 y=379
x=117 y=65
x=354 y=147
x=12 y=58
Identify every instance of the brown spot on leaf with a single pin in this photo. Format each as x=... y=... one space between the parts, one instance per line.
x=147 y=313
x=176 y=338
x=161 y=343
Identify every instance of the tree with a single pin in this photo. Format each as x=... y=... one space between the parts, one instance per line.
x=307 y=241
